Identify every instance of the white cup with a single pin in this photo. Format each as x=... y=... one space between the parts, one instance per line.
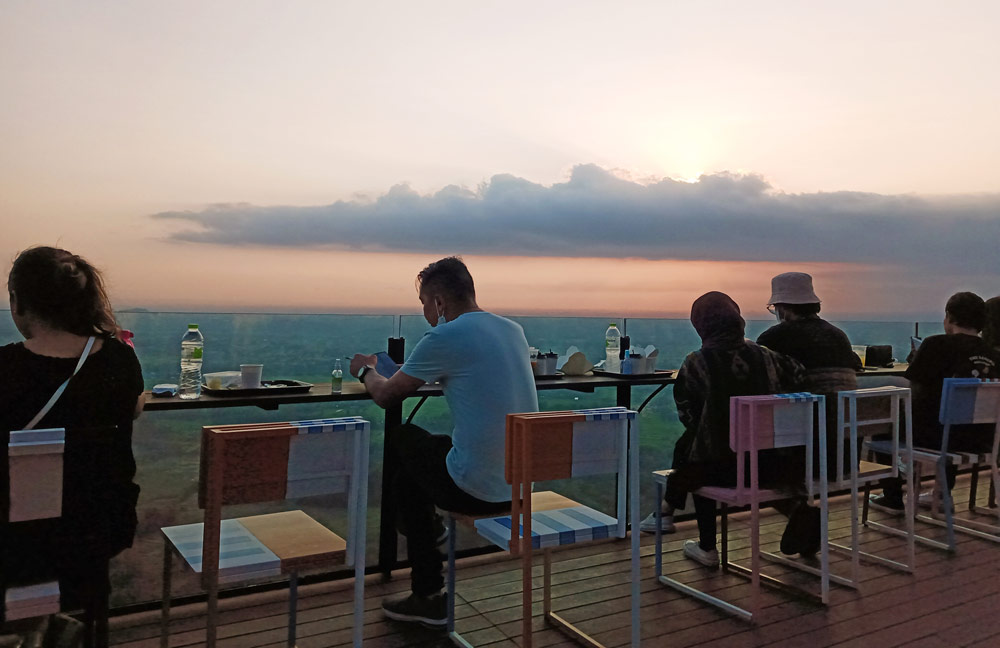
x=250 y=375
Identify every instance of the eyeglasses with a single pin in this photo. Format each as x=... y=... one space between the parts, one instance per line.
x=770 y=309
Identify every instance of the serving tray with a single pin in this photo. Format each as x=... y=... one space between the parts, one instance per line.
x=266 y=387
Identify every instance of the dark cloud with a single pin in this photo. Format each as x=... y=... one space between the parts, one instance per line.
x=596 y=213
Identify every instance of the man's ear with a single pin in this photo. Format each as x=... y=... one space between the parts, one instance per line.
x=13 y=303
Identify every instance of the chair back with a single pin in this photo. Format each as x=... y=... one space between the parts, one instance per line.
x=774 y=421
x=967 y=401
x=871 y=412
x=63 y=511
x=264 y=462
x=542 y=446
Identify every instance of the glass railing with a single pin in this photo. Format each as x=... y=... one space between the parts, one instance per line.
x=304 y=347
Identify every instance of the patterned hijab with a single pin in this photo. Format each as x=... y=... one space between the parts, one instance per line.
x=716 y=318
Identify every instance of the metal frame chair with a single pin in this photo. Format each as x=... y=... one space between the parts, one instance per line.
x=963 y=401
x=557 y=445
x=37 y=482
x=864 y=413
x=760 y=423
x=268 y=462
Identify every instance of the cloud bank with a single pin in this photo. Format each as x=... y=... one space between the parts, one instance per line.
x=598 y=214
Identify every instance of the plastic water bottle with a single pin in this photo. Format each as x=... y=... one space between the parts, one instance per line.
x=337 y=378
x=192 y=350
x=612 y=345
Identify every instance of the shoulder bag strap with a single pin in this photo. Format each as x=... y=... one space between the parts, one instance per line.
x=59 y=392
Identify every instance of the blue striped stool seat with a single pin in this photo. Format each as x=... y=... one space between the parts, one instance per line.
x=553 y=528
x=241 y=554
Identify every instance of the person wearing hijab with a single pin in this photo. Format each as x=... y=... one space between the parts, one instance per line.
x=726 y=365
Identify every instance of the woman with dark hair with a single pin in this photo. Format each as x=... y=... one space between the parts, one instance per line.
x=726 y=365
x=991 y=328
x=59 y=304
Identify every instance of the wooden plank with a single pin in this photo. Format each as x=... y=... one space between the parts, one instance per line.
x=297 y=539
x=950 y=601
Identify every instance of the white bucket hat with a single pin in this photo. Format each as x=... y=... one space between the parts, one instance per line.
x=792 y=288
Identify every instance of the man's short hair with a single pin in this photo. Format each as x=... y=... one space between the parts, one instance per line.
x=450 y=277
x=967 y=310
x=801 y=310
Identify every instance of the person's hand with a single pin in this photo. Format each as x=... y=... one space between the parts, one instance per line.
x=360 y=360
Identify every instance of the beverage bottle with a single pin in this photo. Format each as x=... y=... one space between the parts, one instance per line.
x=192 y=350
x=337 y=378
x=612 y=344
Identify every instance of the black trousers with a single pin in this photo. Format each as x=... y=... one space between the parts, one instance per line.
x=423 y=483
x=775 y=468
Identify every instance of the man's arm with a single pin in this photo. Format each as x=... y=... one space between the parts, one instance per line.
x=386 y=392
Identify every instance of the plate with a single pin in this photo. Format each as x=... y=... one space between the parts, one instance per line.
x=266 y=387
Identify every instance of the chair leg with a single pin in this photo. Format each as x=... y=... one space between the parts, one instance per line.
x=293 y=607
x=547 y=582
x=526 y=552
x=212 y=612
x=973 y=486
x=725 y=537
x=948 y=505
x=101 y=635
x=165 y=607
x=658 y=554
x=451 y=574
x=864 y=503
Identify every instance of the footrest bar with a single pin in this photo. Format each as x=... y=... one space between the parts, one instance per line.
x=776 y=583
x=569 y=629
x=725 y=606
x=809 y=569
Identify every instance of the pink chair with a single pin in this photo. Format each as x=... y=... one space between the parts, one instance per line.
x=761 y=423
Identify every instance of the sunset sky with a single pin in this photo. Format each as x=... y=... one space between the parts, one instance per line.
x=586 y=157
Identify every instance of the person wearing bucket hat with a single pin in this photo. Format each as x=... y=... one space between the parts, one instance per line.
x=822 y=348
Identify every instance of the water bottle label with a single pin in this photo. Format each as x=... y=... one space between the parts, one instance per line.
x=196 y=353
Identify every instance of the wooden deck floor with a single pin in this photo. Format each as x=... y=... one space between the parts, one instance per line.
x=950 y=601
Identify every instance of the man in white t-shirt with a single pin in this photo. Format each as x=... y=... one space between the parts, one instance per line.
x=481 y=361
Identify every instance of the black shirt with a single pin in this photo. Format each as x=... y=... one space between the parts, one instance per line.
x=103 y=393
x=937 y=358
x=812 y=341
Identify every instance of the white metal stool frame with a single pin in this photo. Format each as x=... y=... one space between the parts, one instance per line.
x=848 y=417
x=744 y=410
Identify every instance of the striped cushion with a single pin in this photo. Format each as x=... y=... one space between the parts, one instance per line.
x=606 y=414
x=553 y=528
x=241 y=555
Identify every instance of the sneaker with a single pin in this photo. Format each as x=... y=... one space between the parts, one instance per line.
x=431 y=611
x=802 y=533
x=694 y=551
x=892 y=506
x=666 y=523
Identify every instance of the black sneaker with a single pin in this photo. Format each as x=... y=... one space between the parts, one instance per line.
x=886 y=504
x=431 y=611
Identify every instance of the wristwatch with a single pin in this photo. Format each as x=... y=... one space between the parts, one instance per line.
x=363 y=372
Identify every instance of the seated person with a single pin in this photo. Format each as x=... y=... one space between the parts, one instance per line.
x=482 y=363
x=991 y=326
x=959 y=353
x=822 y=348
x=58 y=303
x=726 y=365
